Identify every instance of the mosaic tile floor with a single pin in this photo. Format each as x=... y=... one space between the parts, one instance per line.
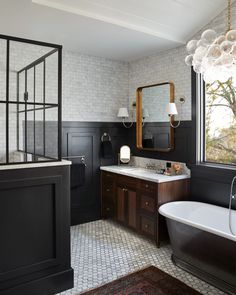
x=102 y=251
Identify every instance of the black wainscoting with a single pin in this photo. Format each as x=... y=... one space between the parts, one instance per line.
x=211 y=185
x=182 y=151
x=35 y=231
x=84 y=138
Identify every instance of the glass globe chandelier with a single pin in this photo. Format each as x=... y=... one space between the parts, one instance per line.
x=214 y=56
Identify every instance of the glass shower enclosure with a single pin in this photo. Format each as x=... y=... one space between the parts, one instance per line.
x=30 y=101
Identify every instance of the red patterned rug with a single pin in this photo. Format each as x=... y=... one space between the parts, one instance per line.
x=148 y=281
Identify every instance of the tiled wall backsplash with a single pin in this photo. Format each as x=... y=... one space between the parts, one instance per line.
x=158 y=164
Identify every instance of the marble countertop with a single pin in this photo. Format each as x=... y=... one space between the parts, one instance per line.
x=141 y=173
x=35 y=165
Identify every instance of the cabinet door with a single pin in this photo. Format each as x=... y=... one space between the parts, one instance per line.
x=131 y=208
x=121 y=206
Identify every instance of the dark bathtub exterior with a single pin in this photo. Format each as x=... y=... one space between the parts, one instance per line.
x=210 y=257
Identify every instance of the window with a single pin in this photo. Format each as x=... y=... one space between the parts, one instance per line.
x=218 y=122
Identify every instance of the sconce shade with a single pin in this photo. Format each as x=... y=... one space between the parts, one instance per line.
x=123 y=113
x=171 y=109
x=145 y=113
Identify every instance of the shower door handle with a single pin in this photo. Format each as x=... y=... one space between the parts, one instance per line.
x=26 y=95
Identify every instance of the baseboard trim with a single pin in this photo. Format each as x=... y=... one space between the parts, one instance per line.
x=48 y=285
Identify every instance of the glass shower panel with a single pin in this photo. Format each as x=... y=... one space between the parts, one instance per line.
x=51 y=79
x=21 y=87
x=3 y=56
x=30 y=136
x=29 y=118
x=2 y=133
x=15 y=156
x=23 y=56
x=30 y=85
x=39 y=83
x=21 y=127
x=51 y=131
x=39 y=132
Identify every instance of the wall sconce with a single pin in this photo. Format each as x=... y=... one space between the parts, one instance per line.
x=145 y=114
x=172 y=110
x=125 y=154
x=123 y=113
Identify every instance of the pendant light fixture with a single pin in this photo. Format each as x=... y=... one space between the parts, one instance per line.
x=214 y=56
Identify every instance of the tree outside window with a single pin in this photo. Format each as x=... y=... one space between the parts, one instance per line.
x=220 y=122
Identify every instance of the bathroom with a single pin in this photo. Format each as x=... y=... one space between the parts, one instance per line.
x=117 y=150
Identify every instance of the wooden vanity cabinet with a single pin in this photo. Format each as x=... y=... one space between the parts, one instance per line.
x=134 y=202
x=126 y=201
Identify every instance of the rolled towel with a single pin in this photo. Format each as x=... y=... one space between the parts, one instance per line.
x=107 y=150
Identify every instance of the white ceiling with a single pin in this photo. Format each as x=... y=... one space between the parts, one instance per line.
x=117 y=29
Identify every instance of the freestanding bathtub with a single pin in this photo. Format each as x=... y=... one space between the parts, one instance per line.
x=201 y=241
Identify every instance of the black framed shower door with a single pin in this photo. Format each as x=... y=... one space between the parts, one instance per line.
x=28 y=106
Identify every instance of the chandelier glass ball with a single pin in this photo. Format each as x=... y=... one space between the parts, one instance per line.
x=214 y=56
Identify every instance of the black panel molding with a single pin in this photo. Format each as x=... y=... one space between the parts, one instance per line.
x=35 y=231
x=182 y=151
x=85 y=200
x=84 y=138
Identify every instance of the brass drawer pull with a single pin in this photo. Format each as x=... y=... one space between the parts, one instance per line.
x=147 y=186
x=108 y=209
x=124 y=189
x=147 y=203
x=107 y=189
x=146 y=226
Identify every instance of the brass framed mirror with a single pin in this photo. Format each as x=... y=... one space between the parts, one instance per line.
x=153 y=130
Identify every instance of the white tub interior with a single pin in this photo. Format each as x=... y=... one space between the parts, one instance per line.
x=207 y=217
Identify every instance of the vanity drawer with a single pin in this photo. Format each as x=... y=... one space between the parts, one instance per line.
x=147 y=226
x=148 y=186
x=126 y=181
x=147 y=203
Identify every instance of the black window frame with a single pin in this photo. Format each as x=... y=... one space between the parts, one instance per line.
x=199 y=117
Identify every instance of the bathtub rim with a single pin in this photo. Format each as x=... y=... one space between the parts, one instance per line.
x=162 y=211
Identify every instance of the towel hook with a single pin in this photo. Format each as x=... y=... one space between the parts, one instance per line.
x=105 y=135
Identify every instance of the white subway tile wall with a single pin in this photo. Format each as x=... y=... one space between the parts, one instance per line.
x=163 y=67
x=93 y=88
